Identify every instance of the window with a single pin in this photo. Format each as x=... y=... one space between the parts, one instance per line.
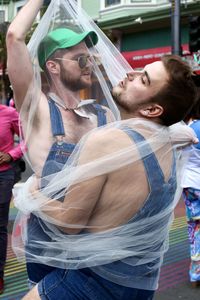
x=2 y=16
x=149 y=1
x=111 y=2
x=19 y=7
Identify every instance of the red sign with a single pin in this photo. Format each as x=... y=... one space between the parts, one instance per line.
x=140 y=58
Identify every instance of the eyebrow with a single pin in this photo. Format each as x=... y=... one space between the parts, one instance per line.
x=147 y=76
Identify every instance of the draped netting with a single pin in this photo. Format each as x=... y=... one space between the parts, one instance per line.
x=95 y=210
x=109 y=66
x=89 y=221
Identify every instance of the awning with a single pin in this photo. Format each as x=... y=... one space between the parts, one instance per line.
x=140 y=58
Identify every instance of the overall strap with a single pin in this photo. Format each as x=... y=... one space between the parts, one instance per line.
x=150 y=161
x=101 y=114
x=56 y=119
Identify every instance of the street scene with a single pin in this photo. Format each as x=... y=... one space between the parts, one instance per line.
x=99 y=149
x=174 y=280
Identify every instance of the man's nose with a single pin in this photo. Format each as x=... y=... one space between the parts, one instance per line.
x=131 y=75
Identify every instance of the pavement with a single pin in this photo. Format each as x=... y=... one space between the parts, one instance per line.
x=174 y=281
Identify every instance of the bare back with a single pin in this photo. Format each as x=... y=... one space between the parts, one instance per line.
x=126 y=190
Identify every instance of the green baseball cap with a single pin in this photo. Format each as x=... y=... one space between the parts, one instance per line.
x=62 y=38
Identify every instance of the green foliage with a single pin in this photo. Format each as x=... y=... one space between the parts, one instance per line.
x=3 y=31
x=5 y=84
x=5 y=1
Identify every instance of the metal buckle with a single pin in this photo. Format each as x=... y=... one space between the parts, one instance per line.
x=59 y=139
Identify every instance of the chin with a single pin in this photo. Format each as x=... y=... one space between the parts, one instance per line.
x=86 y=83
x=116 y=92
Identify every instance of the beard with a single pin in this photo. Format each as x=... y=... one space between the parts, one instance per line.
x=117 y=94
x=73 y=84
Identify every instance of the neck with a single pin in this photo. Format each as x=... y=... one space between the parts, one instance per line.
x=69 y=98
x=126 y=115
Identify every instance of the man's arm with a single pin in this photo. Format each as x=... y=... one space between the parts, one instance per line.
x=15 y=152
x=19 y=63
x=81 y=198
x=78 y=205
x=182 y=135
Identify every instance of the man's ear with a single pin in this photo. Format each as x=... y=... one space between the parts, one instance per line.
x=53 y=67
x=151 y=111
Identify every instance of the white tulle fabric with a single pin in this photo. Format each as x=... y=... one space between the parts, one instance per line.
x=114 y=67
x=97 y=244
x=76 y=244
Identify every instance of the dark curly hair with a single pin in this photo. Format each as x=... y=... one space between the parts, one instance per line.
x=180 y=93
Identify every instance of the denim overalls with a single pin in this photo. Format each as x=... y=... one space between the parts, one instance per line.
x=86 y=284
x=57 y=157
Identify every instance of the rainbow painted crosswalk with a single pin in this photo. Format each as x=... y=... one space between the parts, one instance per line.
x=173 y=272
x=176 y=262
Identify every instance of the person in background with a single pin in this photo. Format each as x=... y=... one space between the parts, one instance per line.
x=9 y=153
x=191 y=195
x=10 y=100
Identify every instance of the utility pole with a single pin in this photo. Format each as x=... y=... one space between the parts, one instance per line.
x=175 y=27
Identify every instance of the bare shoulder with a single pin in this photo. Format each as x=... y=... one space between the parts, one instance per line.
x=105 y=141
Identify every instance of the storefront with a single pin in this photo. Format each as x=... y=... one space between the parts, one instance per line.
x=140 y=58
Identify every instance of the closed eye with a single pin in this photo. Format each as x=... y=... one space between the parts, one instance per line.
x=145 y=78
x=142 y=79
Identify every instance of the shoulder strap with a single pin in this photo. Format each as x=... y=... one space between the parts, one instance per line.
x=56 y=119
x=150 y=161
x=101 y=114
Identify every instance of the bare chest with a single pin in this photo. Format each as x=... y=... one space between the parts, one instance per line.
x=42 y=137
x=75 y=126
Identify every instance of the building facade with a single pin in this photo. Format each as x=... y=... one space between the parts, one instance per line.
x=141 y=29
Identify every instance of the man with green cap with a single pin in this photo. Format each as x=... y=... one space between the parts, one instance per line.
x=63 y=38
x=61 y=117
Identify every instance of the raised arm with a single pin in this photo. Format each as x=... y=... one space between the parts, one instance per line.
x=19 y=63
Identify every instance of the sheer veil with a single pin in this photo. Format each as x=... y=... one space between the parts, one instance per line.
x=123 y=235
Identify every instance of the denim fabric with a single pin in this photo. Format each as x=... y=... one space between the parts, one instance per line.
x=86 y=284
x=192 y=204
x=81 y=285
x=160 y=196
x=6 y=185
x=196 y=127
x=57 y=157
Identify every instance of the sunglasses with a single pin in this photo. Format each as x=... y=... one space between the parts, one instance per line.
x=82 y=60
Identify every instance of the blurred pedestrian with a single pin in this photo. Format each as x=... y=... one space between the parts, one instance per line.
x=9 y=153
x=10 y=100
x=191 y=195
